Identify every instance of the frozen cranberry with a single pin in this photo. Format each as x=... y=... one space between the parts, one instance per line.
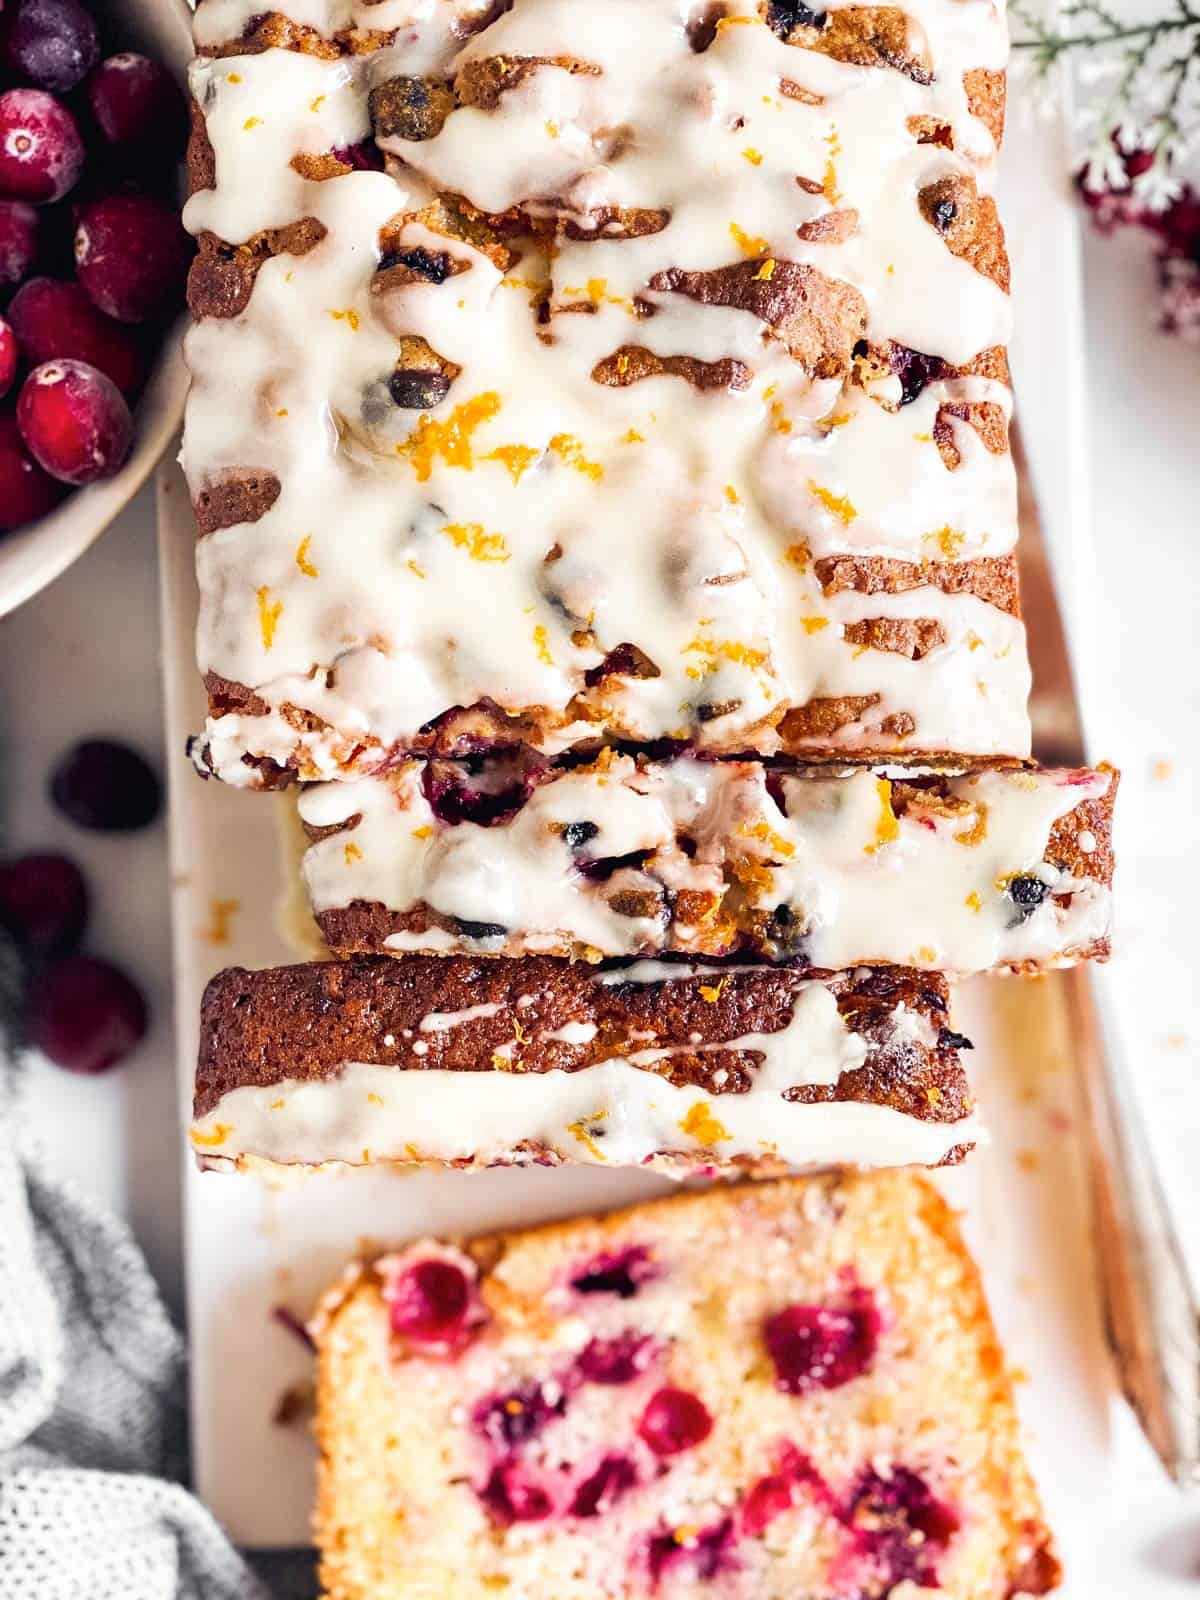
x=43 y=903
x=675 y=1420
x=621 y=1273
x=820 y=1347
x=363 y=157
x=429 y=1302
x=514 y=1494
x=615 y=1476
x=53 y=43
x=55 y=319
x=9 y=357
x=41 y=153
x=484 y=792
x=131 y=255
x=26 y=492
x=617 y=1360
x=776 y=1493
x=138 y=108
x=900 y=1527
x=509 y=1419
x=86 y=1015
x=19 y=241
x=105 y=786
x=704 y=1554
x=75 y=421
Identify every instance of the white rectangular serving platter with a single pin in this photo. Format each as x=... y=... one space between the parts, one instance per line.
x=252 y=1246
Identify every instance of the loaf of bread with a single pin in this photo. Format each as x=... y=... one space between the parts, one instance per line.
x=631 y=371
x=477 y=1062
x=764 y=1392
x=989 y=871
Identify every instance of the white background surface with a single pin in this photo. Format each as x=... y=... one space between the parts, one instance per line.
x=83 y=658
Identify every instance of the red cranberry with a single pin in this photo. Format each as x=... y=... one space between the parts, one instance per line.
x=514 y=1494
x=702 y=1555
x=819 y=1347
x=771 y=1496
x=429 y=1302
x=617 y=1360
x=10 y=356
x=363 y=157
x=43 y=903
x=621 y=1273
x=484 y=793
x=86 y=1015
x=26 y=492
x=19 y=241
x=508 y=1420
x=75 y=421
x=615 y=1476
x=900 y=1527
x=41 y=153
x=53 y=43
x=131 y=255
x=138 y=108
x=56 y=320
x=105 y=786
x=675 y=1420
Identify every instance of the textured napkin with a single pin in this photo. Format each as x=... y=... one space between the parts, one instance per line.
x=93 y=1420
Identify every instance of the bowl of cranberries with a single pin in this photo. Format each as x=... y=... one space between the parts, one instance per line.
x=93 y=268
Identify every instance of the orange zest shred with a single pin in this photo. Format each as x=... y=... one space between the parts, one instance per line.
x=423 y=832
x=219 y=1134
x=839 y=505
x=351 y=853
x=302 y=561
x=251 y=122
x=449 y=440
x=349 y=315
x=479 y=544
x=518 y=458
x=747 y=243
x=780 y=421
x=974 y=900
x=766 y=272
x=948 y=540
x=732 y=495
x=813 y=624
x=580 y=1130
x=977 y=832
x=753 y=156
x=710 y=993
x=269 y=613
x=542 y=643
x=798 y=555
x=570 y=449
x=887 y=827
x=701 y=1125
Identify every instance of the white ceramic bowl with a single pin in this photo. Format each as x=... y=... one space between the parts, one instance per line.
x=30 y=558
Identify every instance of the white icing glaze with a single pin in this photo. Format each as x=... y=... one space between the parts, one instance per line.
x=863 y=884
x=617 y=1112
x=356 y=596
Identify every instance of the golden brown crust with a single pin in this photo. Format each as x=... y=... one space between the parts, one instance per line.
x=240 y=497
x=222 y=275
x=632 y=363
x=969 y=225
x=307 y=1022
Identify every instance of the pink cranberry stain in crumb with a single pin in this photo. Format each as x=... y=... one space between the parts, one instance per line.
x=515 y=1493
x=618 y=1360
x=899 y=1529
x=432 y=1302
x=675 y=1420
x=600 y=1491
x=794 y=1481
x=508 y=1420
x=823 y=1347
x=696 y=1553
x=620 y=1272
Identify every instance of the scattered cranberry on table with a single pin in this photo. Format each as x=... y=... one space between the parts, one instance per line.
x=75 y=421
x=84 y=1014
x=43 y=904
x=93 y=257
x=105 y=786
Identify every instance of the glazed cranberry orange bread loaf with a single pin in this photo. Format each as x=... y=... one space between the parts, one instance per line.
x=478 y=1062
x=760 y=1393
x=631 y=370
x=626 y=856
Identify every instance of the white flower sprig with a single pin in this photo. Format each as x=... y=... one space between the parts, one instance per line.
x=1136 y=90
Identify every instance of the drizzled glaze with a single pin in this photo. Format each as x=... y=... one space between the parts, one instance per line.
x=499 y=546
x=616 y=1112
x=623 y=858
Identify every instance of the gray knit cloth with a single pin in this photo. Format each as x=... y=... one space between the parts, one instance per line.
x=93 y=1423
